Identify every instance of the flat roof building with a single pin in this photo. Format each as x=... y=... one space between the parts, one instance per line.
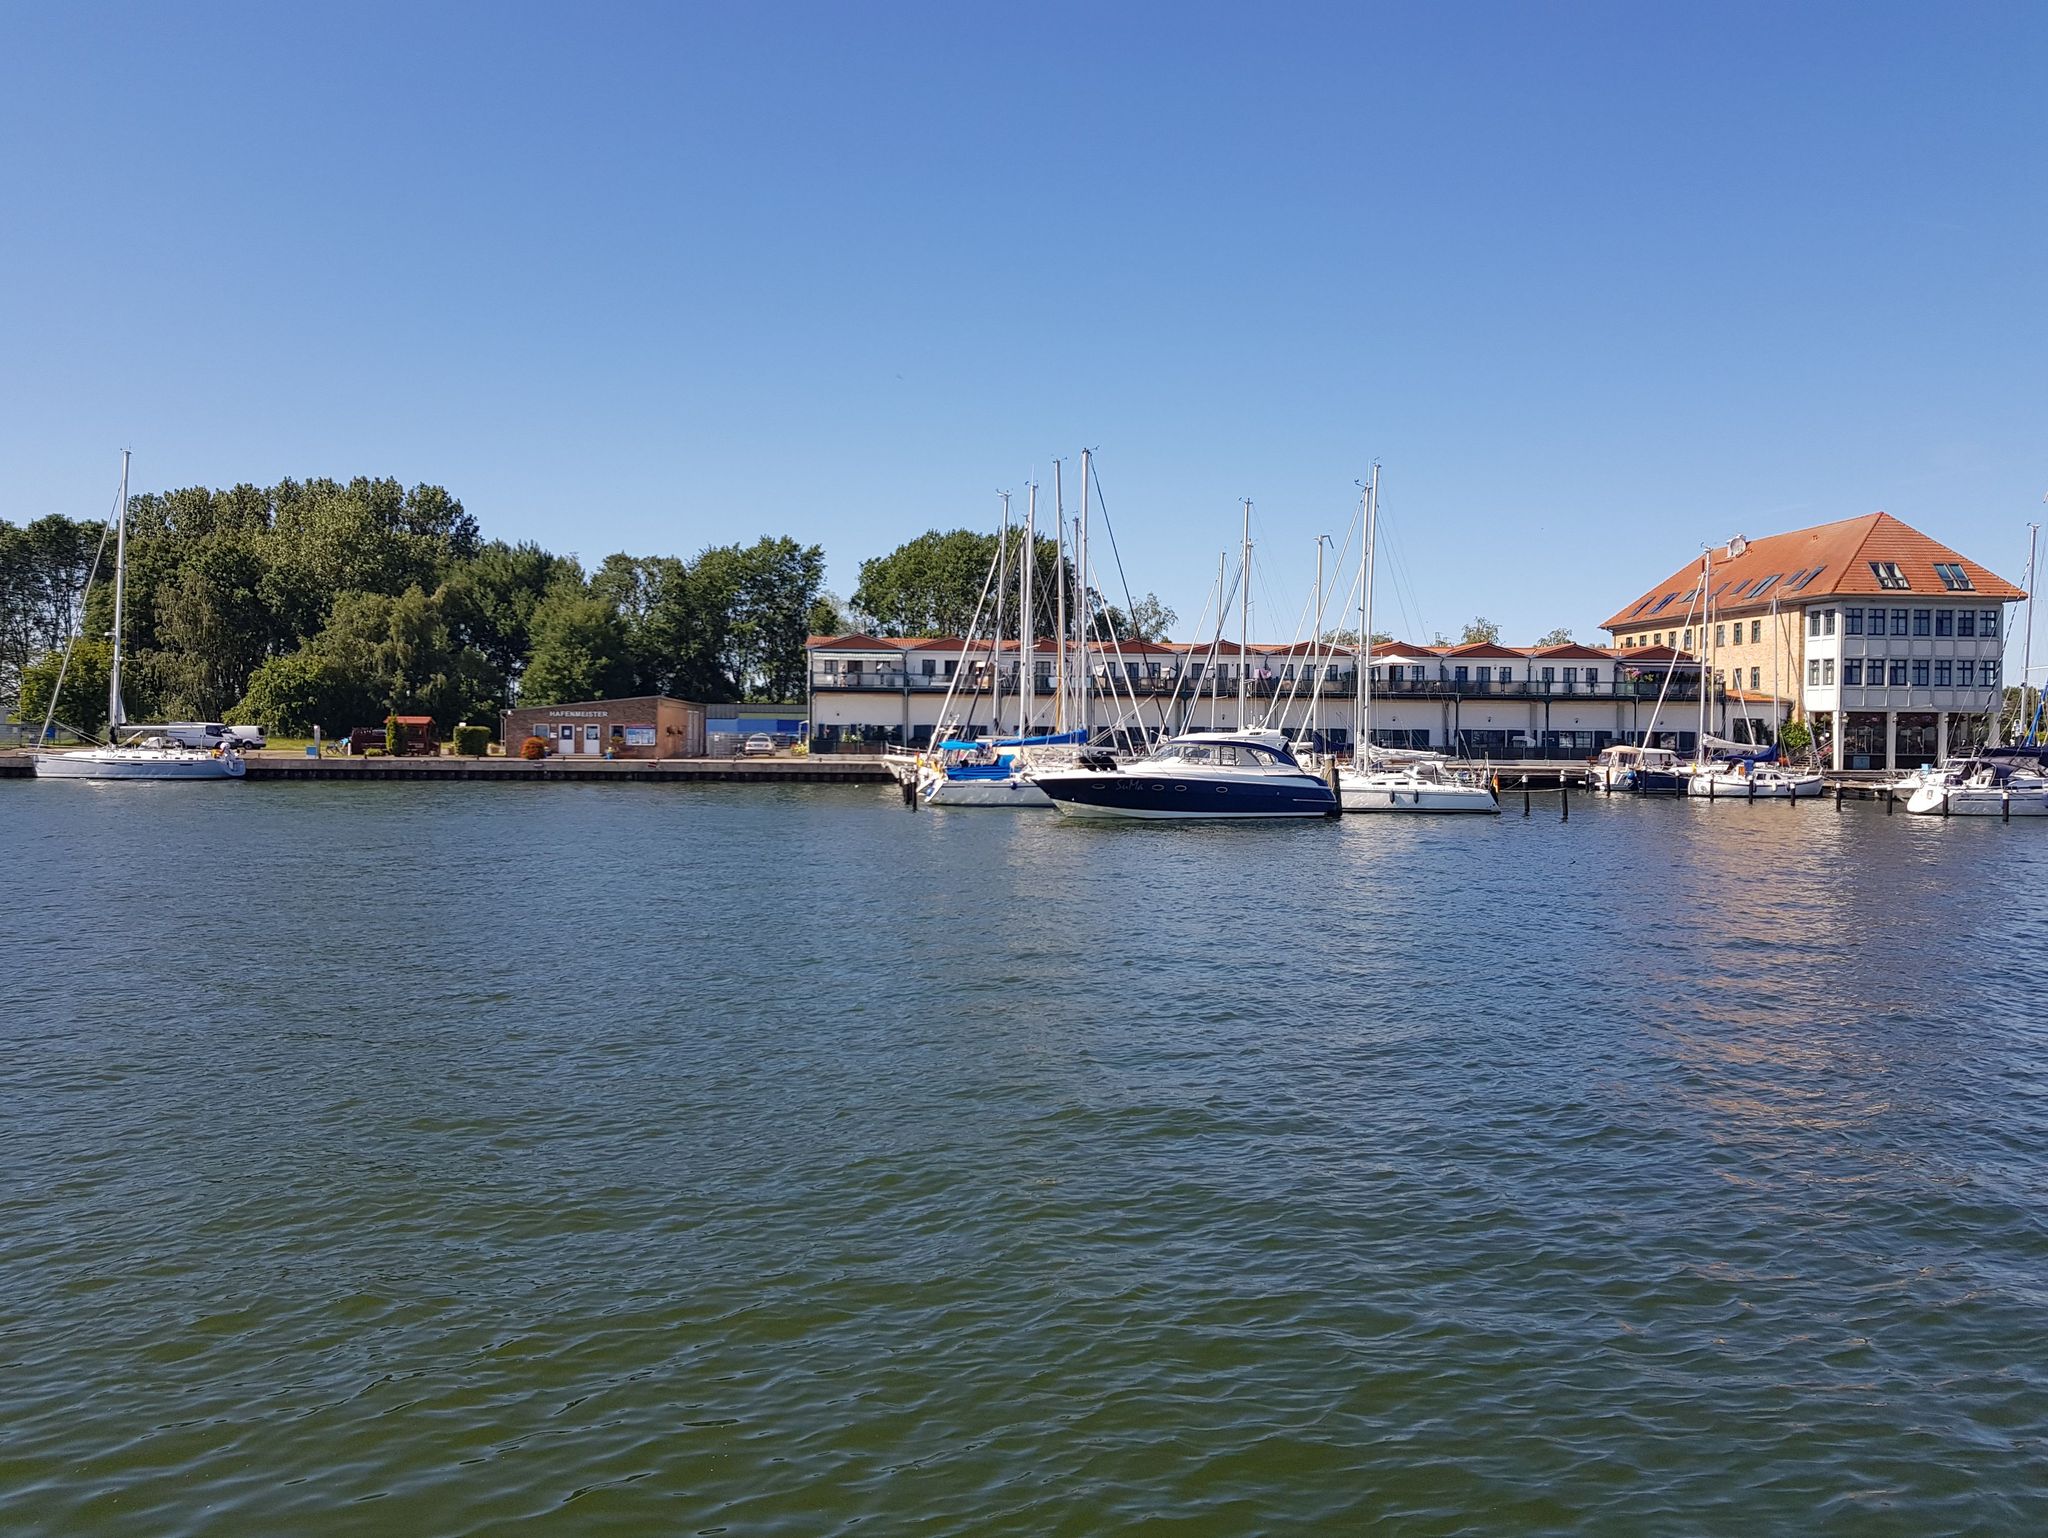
x=646 y=726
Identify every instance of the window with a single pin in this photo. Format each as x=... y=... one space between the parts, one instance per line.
x=831 y=667
x=1571 y=679
x=1942 y=673
x=1720 y=635
x=1966 y=674
x=952 y=668
x=1852 y=668
x=1944 y=622
x=1756 y=631
x=1657 y=639
x=1988 y=675
x=1898 y=670
x=1919 y=672
x=1827 y=671
x=1889 y=576
x=1813 y=622
x=1813 y=672
x=1852 y=622
x=1987 y=622
x=1827 y=622
x=1549 y=677
x=1756 y=678
x=1485 y=675
x=1763 y=587
x=1640 y=607
x=1688 y=638
x=931 y=667
x=1459 y=675
x=1966 y=623
x=1953 y=577
x=1803 y=579
x=1923 y=622
x=1899 y=621
x=1663 y=602
x=1592 y=678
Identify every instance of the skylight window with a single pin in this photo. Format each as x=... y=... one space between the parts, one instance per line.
x=1737 y=592
x=1953 y=577
x=1640 y=607
x=1662 y=602
x=1803 y=579
x=1889 y=576
x=1764 y=586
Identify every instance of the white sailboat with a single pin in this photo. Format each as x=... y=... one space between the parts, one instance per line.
x=130 y=752
x=1378 y=782
x=1735 y=771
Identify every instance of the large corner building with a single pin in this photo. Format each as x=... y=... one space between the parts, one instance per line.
x=1886 y=641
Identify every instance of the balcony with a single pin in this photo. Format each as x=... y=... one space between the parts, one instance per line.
x=1187 y=685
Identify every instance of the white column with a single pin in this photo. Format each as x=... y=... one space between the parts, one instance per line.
x=1841 y=736
x=1891 y=739
x=1940 y=735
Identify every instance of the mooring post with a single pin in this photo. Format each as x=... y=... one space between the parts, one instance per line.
x=1525 y=800
x=2006 y=813
x=1564 y=803
x=1330 y=778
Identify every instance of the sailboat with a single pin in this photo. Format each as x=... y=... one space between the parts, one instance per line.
x=1735 y=771
x=1385 y=782
x=130 y=753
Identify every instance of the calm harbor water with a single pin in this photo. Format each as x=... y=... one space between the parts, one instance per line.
x=669 y=1159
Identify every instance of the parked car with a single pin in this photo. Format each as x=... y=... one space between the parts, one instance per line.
x=247 y=737
x=760 y=742
x=212 y=734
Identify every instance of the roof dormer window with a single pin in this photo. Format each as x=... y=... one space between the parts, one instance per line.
x=1953 y=577
x=1889 y=576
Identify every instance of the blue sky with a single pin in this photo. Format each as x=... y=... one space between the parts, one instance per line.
x=1595 y=282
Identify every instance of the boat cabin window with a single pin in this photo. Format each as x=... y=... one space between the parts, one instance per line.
x=1195 y=753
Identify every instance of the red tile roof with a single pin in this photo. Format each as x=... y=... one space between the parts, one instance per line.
x=1829 y=560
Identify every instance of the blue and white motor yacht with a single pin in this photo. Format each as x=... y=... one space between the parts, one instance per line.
x=1245 y=774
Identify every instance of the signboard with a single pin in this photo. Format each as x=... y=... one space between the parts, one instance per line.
x=639 y=736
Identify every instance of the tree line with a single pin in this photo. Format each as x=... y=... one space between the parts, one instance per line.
x=333 y=604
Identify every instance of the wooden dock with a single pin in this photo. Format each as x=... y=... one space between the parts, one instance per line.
x=796 y=769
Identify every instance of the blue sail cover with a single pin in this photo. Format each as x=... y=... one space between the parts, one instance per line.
x=1059 y=740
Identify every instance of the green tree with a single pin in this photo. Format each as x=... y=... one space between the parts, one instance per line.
x=580 y=650
x=490 y=600
x=1480 y=629
x=1561 y=636
x=1149 y=620
x=83 y=707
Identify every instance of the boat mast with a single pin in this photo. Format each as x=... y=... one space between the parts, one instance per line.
x=995 y=639
x=1315 y=651
x=1081 y=615
x=1027 y=622
x=1777 y=686
x=2026 y=641
x=1059 y=565
x=1706 y=646
x=1222 y=597
x=117 y=717
x=1361 y=753
x=1244 y=621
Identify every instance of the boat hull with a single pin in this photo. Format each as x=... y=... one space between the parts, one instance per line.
x=1111 y=794
x=1714 y=787
x=1660 y=782
x=1451 y=799
x=123 y=764
x=1013 y=793
x=1971 y=801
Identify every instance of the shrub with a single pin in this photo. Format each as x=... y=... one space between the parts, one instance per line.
x=533 y=747
x=472 y=741
x=394 y=736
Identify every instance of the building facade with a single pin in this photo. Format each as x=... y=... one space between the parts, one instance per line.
x=1886 y=641
x=1482 y=700
x=648 y=726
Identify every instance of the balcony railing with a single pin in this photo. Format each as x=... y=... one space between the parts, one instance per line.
x=1151 y=685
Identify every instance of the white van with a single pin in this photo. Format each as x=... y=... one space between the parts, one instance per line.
x=212 y=734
